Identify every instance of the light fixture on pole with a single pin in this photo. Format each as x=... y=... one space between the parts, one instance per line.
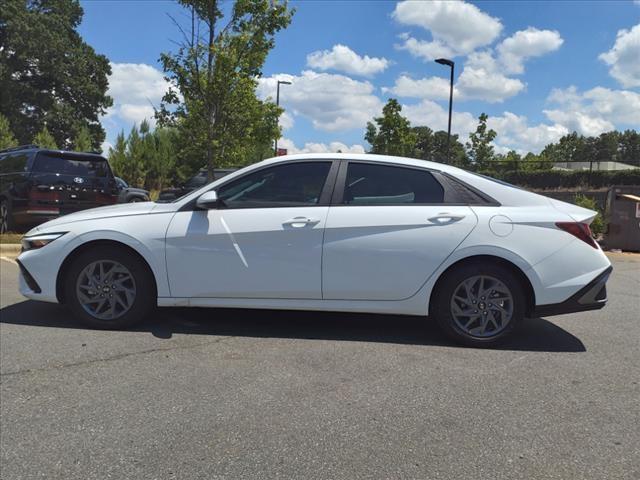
x=450 y=63
x=283 y=82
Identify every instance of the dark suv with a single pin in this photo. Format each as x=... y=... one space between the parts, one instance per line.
x=37 y=185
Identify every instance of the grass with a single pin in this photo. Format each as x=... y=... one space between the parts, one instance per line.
x=10 y=238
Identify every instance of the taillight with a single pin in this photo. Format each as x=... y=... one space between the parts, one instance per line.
x=578 y=230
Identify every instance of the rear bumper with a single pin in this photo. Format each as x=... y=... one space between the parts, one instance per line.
x=593 y=296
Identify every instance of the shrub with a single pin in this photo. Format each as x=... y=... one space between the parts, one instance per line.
x=597 y=226
x=551 y=179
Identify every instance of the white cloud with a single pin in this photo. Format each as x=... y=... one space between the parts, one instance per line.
x=594 y=111
x=311 y=147
x=524 y=44
x=425 y=50
x=624 y=57
x=436 y=117
x=514 y=131
x=286 y=121
x=135 y=88
x=343 y=59
x=482 y=79
x=331 y=102
x=435 y=88
x=455 y=26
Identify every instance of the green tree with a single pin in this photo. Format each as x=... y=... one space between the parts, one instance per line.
x=118 y=157
x=7 y=139
x=48 y=74
x=213 y=105
x=629 y=147
x=44 y=139
x=432 y=146
x=164 y=165
x=135 y=171
x=479 y=148
x=392 y=134
x=82 y=141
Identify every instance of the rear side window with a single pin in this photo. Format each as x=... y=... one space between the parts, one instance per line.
x=81 y=167
x=13 y=163
x=368 y=184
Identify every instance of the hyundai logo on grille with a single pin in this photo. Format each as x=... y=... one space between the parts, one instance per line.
x=78 y=180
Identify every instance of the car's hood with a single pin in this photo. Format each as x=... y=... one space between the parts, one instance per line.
x=120 y=210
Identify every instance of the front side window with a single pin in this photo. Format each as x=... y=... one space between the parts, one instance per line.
x=289 y=185
x=368 y=184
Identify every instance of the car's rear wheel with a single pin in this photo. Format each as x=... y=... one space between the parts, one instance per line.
x=479 y=304
x=6 y=218
x=109 y=288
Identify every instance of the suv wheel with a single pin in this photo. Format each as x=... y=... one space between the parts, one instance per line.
x=480 y=304
x=109 y=288
x=6 y=219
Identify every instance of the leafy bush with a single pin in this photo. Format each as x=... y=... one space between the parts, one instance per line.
x=597 y=226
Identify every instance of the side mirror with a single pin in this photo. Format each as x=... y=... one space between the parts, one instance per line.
x=208 y=200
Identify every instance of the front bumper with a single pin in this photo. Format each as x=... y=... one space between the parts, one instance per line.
x=593 y=296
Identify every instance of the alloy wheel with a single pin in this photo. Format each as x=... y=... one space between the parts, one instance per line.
x=106 y=289
x=482 y=306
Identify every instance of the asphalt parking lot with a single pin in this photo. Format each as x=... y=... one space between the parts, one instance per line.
x=254 y=394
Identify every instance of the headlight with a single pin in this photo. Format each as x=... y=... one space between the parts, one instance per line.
x=38 y=241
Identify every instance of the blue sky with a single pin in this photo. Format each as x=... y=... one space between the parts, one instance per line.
x=539 y=69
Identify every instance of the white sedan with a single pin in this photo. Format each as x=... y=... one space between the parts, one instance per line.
x=337 y=232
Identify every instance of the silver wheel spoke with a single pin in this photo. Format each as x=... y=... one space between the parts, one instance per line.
x=481 y=306
x=106 y=289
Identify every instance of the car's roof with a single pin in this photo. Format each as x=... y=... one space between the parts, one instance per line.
x=35 y=148
x=368 y=157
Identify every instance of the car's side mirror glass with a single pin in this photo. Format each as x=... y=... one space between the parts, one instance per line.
x=208 y=200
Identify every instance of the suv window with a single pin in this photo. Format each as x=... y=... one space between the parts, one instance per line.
x=369 y=184
x=13 y=163
x=81 y=167
x=289 y=185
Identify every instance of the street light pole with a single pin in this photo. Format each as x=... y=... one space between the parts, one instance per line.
x=284 y=82
x=450 y=63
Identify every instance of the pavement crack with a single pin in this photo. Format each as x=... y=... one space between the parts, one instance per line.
x=114 y=357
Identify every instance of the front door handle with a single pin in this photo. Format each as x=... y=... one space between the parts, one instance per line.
x=299 y=222
x=444 y=218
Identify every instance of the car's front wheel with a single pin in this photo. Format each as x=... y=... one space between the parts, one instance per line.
x=479 y=304
x=108 y=287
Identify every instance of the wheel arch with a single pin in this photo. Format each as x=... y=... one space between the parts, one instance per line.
x=529 y=291
x=66 y=263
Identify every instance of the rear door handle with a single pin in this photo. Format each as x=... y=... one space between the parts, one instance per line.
x=445 y=217
x=299 y=222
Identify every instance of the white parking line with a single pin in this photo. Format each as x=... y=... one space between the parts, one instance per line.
x=10 y=260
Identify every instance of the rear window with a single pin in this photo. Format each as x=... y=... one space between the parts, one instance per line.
x=80 y=167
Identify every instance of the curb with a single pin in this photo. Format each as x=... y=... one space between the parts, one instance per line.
x=11 y=250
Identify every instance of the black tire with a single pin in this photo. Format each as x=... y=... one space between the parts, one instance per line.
x=448 y=286
x=7 y=223
x=134 y=200
x=145 y=298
